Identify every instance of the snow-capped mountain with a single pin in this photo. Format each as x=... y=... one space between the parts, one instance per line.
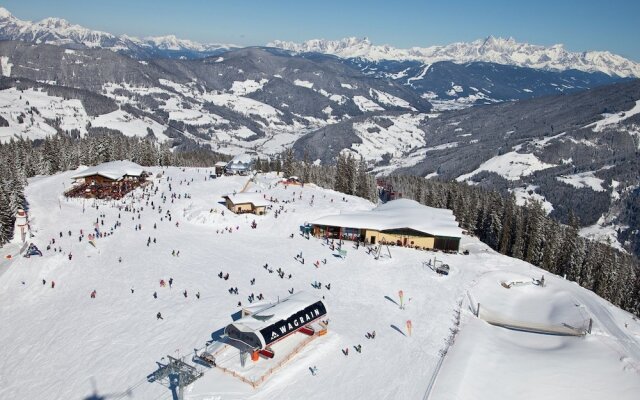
x=61 y=32
x=492 y=49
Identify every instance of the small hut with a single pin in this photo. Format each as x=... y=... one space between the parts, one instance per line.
x=243 y=203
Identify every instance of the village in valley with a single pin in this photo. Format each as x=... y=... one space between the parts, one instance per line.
x=230 y=283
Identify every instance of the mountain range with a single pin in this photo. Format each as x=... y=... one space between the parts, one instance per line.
x=491 y=49
x=57 y=31
x=496 y=50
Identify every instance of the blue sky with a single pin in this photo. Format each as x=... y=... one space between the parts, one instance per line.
x=612 y=25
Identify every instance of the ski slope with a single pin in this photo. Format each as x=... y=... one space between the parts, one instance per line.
x=57 y=341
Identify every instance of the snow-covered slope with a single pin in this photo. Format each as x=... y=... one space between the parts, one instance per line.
x=34 y=114
x=115 y=339
x=61 y=32
x=492 y=49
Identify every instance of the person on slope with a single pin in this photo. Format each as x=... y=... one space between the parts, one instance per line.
x=159 y=316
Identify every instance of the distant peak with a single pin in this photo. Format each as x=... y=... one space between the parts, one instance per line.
x=4 y=13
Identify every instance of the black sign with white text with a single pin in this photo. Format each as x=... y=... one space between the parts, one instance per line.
x=285 y=326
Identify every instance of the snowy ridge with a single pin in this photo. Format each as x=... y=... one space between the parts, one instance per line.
x=492 y=49
x=60 y=32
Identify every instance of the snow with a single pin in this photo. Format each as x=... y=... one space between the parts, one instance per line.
x=114 y=170
x=525 y=194
x=256 y=199
x=613 y=119
x=5 y=65
x=244 y=105
x=398 y=214
x=347 y=86
x=492 y=362
x=431 y=175
x=398 y=139
x=248 y=86
x=511 y=166
x=366 y=105
x=116 y=340
x=605 y=230
x=129 y=125
x=583 y=180
x=299 y=82
x=389 y=99
x=267 y=314
x=491 y=49
x=35 y=125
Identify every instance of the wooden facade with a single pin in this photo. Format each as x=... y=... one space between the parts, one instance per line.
x=399 y=237
x=243 y=208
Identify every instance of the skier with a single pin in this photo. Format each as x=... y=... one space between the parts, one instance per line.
x=345 y=351
x=170 y=282
x=159 y=316
x=53 y=284
x=44 y=282
x=198 y=295
x=70 y=256
x=132 y=290
x=185 y=293
x=93 y=294
x=155 y=295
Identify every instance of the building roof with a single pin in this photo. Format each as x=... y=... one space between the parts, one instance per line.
x=256 y=199
x=398 y=214
x=221 y=164
x=241 y=159
x=271 y=313
x=113 y=170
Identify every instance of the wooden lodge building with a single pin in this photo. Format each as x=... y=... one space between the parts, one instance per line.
x=242 y=203
x=401 y=222
x=107 y=180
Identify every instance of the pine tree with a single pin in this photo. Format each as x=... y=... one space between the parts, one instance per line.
x=6 y=219
x=363 y=184
x=288 y=163
x=534 y=232
x=573 y=251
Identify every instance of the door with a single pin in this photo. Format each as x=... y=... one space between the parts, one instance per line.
x=373 y=240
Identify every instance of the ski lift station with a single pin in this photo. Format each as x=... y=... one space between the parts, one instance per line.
x=401 y=222
x=274 y=322
x=271 y=333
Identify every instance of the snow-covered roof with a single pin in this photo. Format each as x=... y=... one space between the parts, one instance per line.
x=241 y=159
x=398 y=214
x=221 y=164
x=113 y=170
x=256 y=199
x=275 y=312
